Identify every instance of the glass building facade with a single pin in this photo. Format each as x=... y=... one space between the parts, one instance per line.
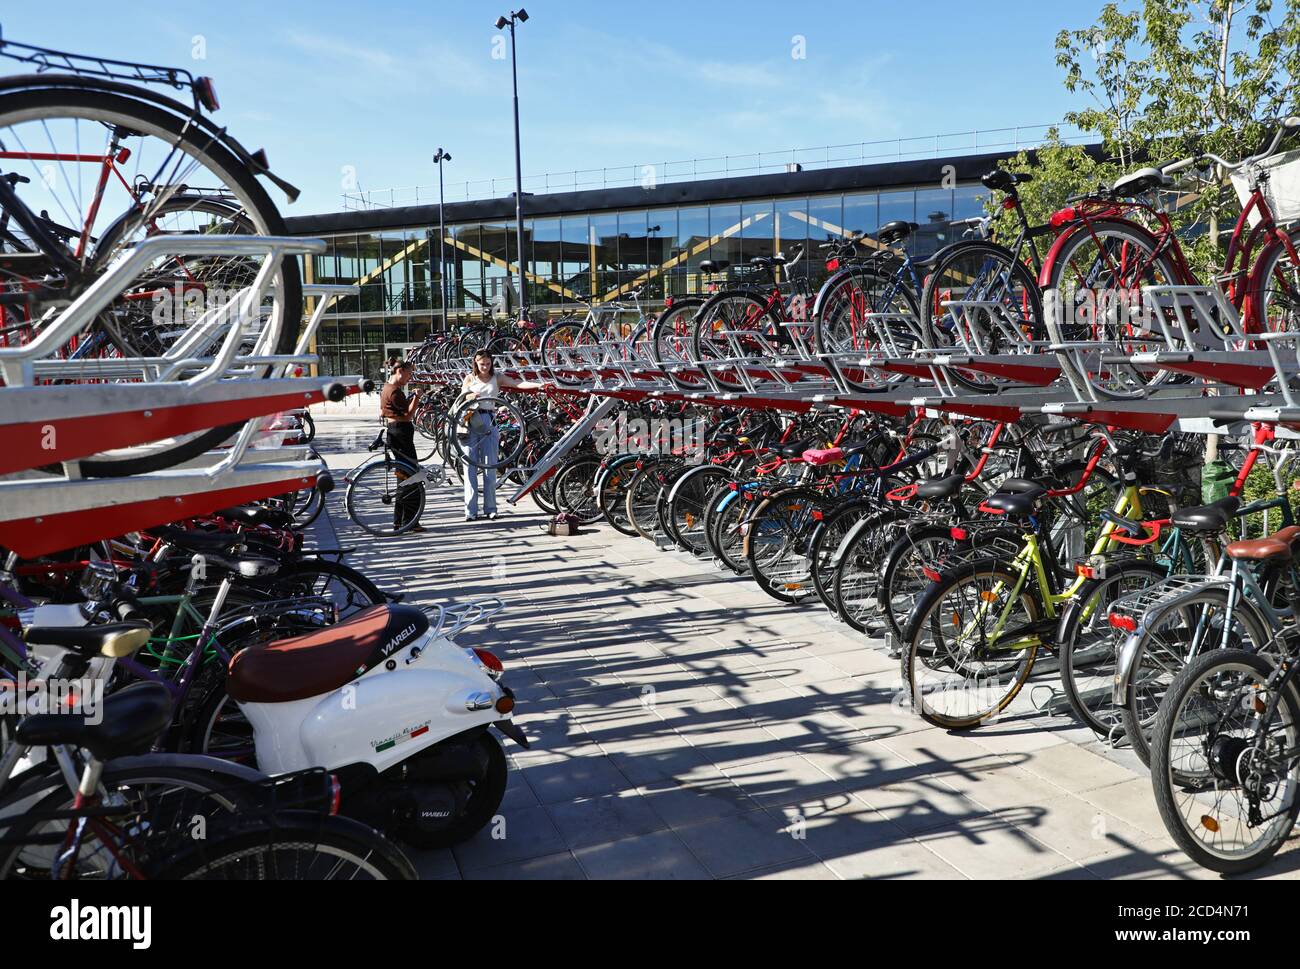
x=595 y=256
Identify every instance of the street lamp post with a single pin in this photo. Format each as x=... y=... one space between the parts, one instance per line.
x=517 y=16
x=438 y=159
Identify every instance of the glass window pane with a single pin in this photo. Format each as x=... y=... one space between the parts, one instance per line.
x=861 y=214
x=757 y=232
x=934 y=207
x=691 y=248
x=825 y=217
x=576 y=248
x=604 y=243
x=724 y=233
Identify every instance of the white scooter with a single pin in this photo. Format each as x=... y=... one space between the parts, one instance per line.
x=390 y=704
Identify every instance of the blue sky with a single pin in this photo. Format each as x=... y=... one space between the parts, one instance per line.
x=331 y=88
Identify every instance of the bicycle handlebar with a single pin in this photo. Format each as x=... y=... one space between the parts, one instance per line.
x=1287 y=124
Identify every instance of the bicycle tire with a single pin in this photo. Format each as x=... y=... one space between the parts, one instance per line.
x=138 y=116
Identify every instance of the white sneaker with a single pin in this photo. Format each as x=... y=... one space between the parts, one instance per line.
x=492 y=516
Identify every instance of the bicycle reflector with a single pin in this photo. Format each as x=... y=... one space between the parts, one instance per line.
x=958 y=534
x=1061 y=216
x=1120 y=621
x=206 y=92
x=931 y=574
x=1009 y=203
x=832 y=265
x=336 y=794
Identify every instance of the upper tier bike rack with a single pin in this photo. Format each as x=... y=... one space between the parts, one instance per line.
x=50 y=420
x=159 y=397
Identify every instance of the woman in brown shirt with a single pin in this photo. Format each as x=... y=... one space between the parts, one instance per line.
x=397 y=408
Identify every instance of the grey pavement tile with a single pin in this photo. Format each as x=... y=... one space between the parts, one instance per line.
x=660 y=855
x=558 y=867
x=573 y=777
x=788 y=779
x=526 y=833
x=606 y=817
x=696 y=797
x=733 y=845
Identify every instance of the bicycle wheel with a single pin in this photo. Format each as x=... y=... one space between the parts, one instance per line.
x=927 y=550
x=857 y=564
x=574 y=489
x=989 y=273
x=970 y=645
x=725 y=529
x=1108 y=257
x=373 y=495
x=672 y=340
x=133 y=792
x=293 y=846
x=868 y=312
x=189 y=169
x=825 y=542
x=345 y=587
x=1088 y=645
x=731 y=320
x=1276 y=290
x=687 y=502
x=776 y=543
x=505 y=417
x=1223 y=766
x=1202 y=622
x=642 y=499
x=612 y=492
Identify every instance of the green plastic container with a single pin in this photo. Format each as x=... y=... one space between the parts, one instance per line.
x=1217 y=478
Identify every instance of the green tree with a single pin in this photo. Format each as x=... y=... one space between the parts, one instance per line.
x=1171 y=78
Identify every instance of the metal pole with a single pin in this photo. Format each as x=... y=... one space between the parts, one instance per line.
x=442 y=252
x=519 y=183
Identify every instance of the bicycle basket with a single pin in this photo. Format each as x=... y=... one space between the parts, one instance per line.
x=1281 y=188
x=1176 y=467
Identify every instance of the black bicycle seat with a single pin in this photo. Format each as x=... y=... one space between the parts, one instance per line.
x=1206 y=518
x=933 y=489
x=130 y=720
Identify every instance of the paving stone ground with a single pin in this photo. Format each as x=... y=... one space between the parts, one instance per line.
x=684 y=725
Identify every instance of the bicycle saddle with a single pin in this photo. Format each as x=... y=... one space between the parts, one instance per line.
x=115 y=639
x=932 y=489
x=714 y=266
x=793 y=450
x=130 y=720
x=1001 y=181
x=895 y=231
x=820 y=456
x=257 y=515
x=322 y=661
x=1279 y=545
x=1140 y=182
x=1014 y=504
x=196 y=541
x=1206 y=518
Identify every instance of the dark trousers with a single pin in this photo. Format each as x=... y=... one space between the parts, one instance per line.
x=401 y=441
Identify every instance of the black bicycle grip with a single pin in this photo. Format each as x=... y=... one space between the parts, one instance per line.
x=1222 y=415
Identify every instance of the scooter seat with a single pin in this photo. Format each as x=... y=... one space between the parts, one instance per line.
x=322 y=661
